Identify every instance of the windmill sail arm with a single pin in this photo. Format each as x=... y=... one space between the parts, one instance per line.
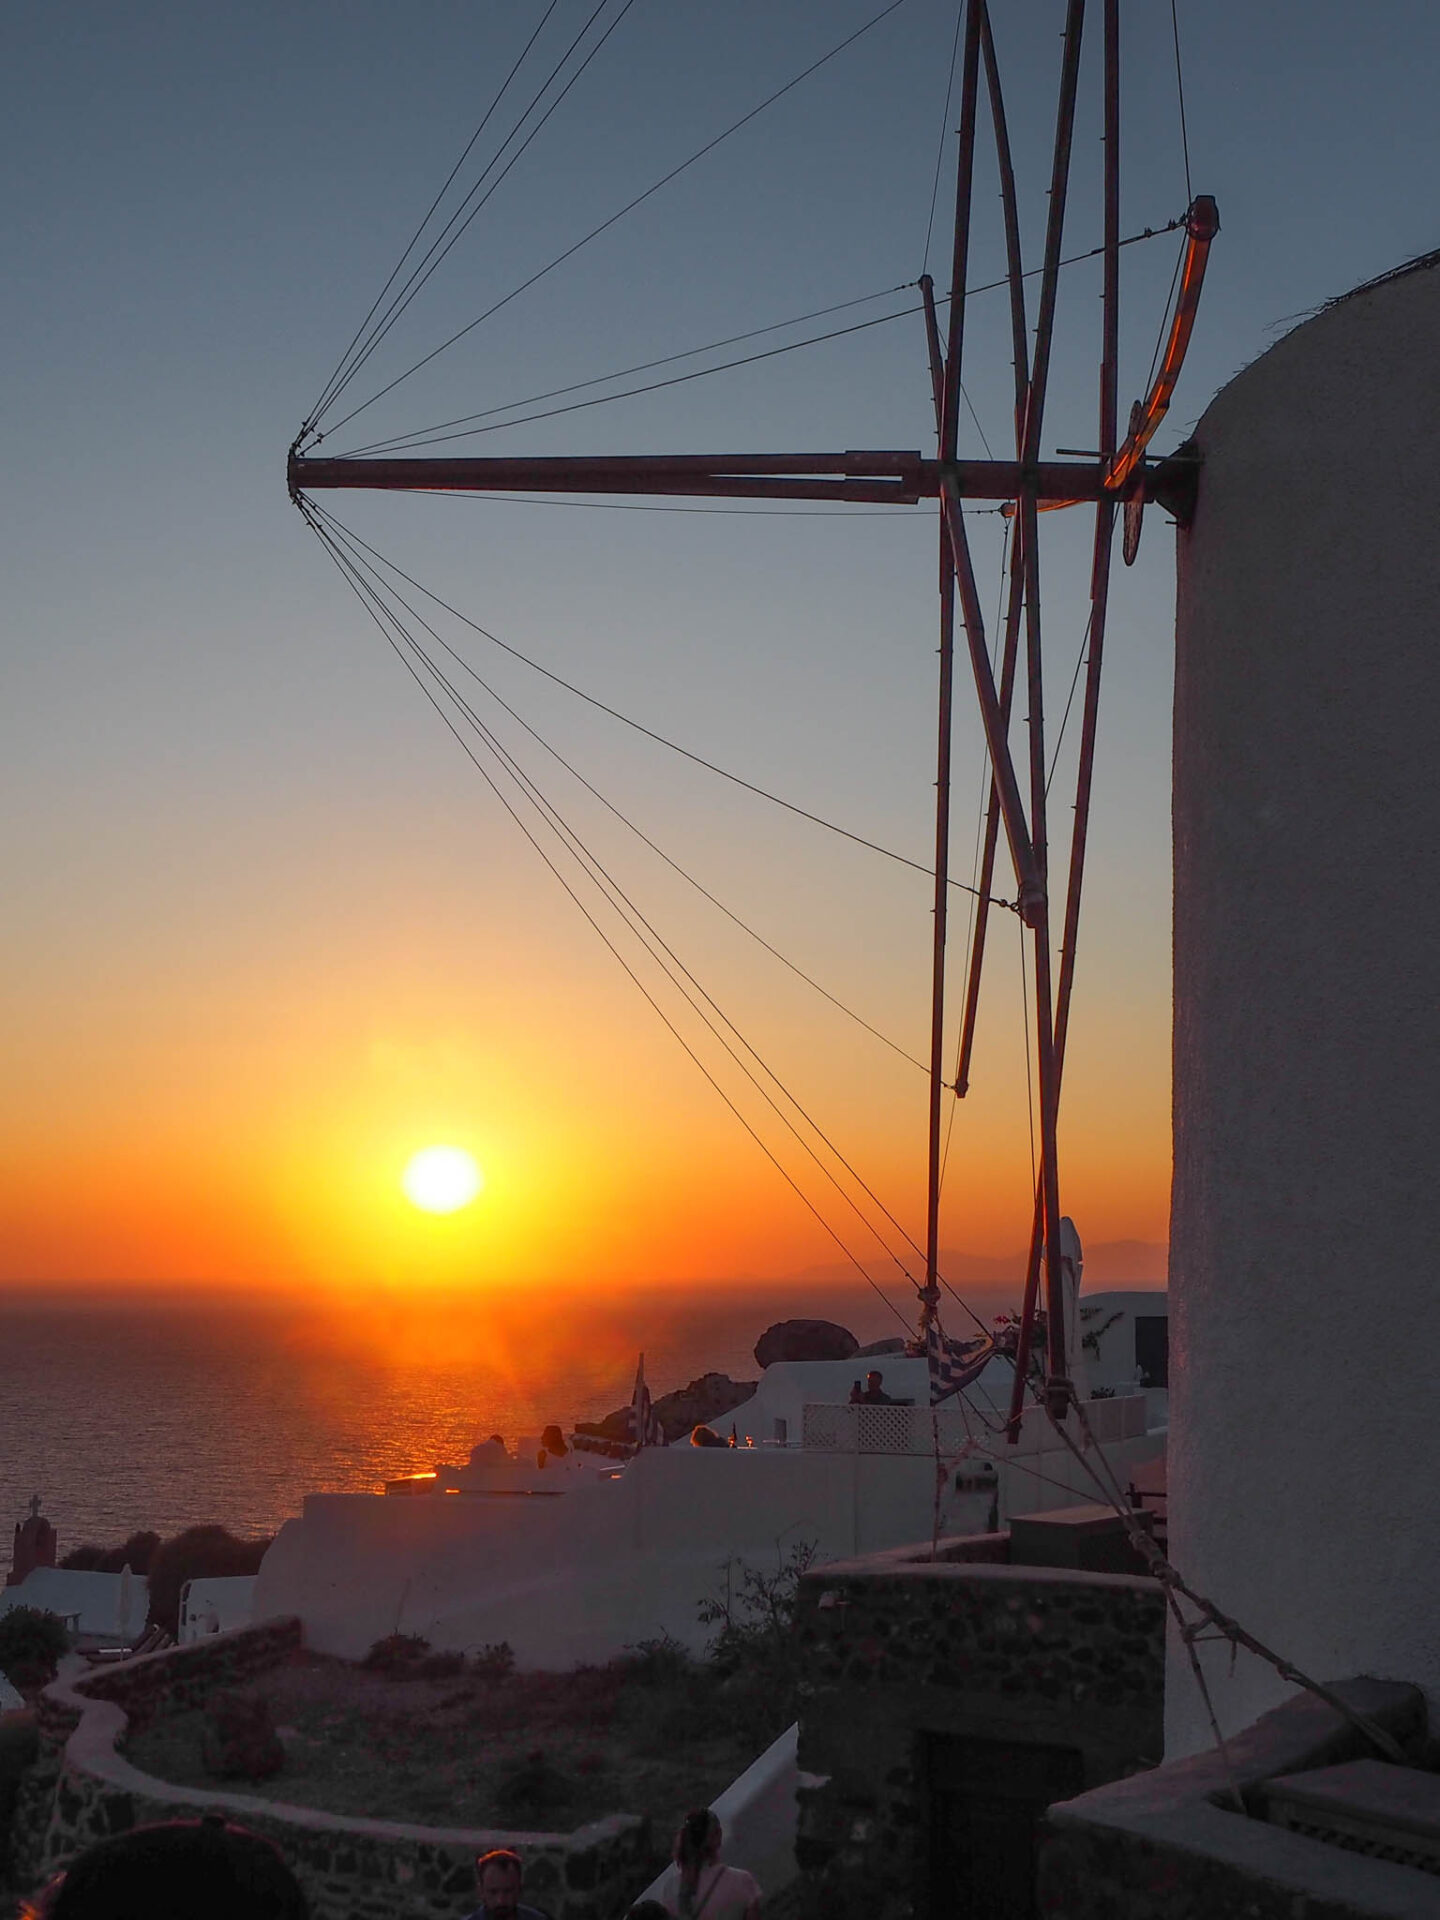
x=897 y=478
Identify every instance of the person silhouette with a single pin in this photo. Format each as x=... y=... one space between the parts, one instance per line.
x=697 y=1886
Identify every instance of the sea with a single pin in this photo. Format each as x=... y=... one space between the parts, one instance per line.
x=168 y=1410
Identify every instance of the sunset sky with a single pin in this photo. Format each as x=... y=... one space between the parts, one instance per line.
x=268 y=932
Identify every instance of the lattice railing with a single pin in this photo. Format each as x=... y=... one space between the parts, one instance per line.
x=860 y=1429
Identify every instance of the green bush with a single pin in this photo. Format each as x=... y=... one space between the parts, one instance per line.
x=31 y=1644
x=753 y=1652
x=137 y=1553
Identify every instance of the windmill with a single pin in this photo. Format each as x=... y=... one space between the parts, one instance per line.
x=1117 y=478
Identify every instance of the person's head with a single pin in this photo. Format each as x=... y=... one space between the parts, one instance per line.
x=498 y=1875
x=874 y=1380
x=553 y=1440
x=181 y=1870
x=697 y=1841
x=703 y=1436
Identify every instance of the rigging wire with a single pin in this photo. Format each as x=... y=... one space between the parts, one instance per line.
x=649 y=733
x=629 y=393
x=327 y=391
x=940 y=148
x=433 y=258
x=1180 y=94
x=611 y=890
x=655 y=944
x=651 y=938
x=437 y=433
x=639 y=832
x=666 y=360
x=1165 y=320
x=629 y=206
x=357 y=586
x=1069 y=701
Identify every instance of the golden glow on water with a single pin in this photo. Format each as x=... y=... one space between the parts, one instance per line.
x=442 y=1179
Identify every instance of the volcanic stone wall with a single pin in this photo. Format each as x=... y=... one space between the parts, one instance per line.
x=897 y=1649
x=83 y=1789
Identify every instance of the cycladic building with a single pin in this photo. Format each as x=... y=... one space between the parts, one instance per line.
x=1304 y=1292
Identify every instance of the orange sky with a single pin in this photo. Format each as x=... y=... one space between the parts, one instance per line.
x=169 y=1125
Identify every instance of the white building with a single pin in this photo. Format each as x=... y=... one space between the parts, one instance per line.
x=574 y=1565
x=214 y=1603
x=1307 y=1017
x=107 y=1608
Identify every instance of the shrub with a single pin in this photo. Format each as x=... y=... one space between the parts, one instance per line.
x=198 y=1553
x=396 y=1653
x=494 y=1663
x=440 y=1666
x=753 y=1650
x=661 y=1662
x=85 y=1559
x=531 y=1788
x=137 y=1553
x=31 y=1643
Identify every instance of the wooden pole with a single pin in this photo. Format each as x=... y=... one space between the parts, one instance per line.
x=1057 y=1387
x=1020 y=357
x=886 y=478
x=930 y=1294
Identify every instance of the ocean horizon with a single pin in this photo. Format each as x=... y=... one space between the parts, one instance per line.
x=128 y=1408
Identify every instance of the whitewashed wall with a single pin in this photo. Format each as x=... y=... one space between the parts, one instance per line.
x=1305 y=1315
x=577 y=1575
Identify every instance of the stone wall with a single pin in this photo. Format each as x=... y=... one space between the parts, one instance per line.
x=898 y=1648
x=83 y=1789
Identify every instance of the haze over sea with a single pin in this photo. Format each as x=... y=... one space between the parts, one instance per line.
x=166 y=1410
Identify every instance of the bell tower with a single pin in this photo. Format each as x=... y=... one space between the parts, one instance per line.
x=34 y=1544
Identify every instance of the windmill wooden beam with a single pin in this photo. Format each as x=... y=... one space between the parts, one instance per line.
x=888 y=478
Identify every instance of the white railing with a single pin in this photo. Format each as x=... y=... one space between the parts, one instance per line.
x=948 y=1427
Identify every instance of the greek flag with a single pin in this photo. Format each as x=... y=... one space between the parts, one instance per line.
x=955 y=1364
x=644 y=1421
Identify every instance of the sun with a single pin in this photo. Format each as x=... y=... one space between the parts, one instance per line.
x=442 y=1179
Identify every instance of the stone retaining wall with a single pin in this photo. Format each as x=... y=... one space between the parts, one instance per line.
x=83 y=1789
x=899 y=1648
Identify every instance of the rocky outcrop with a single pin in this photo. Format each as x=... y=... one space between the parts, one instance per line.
x=705 y=1400
x=615 y=1426
x=804 y=1340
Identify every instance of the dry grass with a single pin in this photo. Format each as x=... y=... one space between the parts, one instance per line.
x=637 y=1736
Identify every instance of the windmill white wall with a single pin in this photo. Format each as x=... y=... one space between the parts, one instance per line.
x=1304 y=1297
